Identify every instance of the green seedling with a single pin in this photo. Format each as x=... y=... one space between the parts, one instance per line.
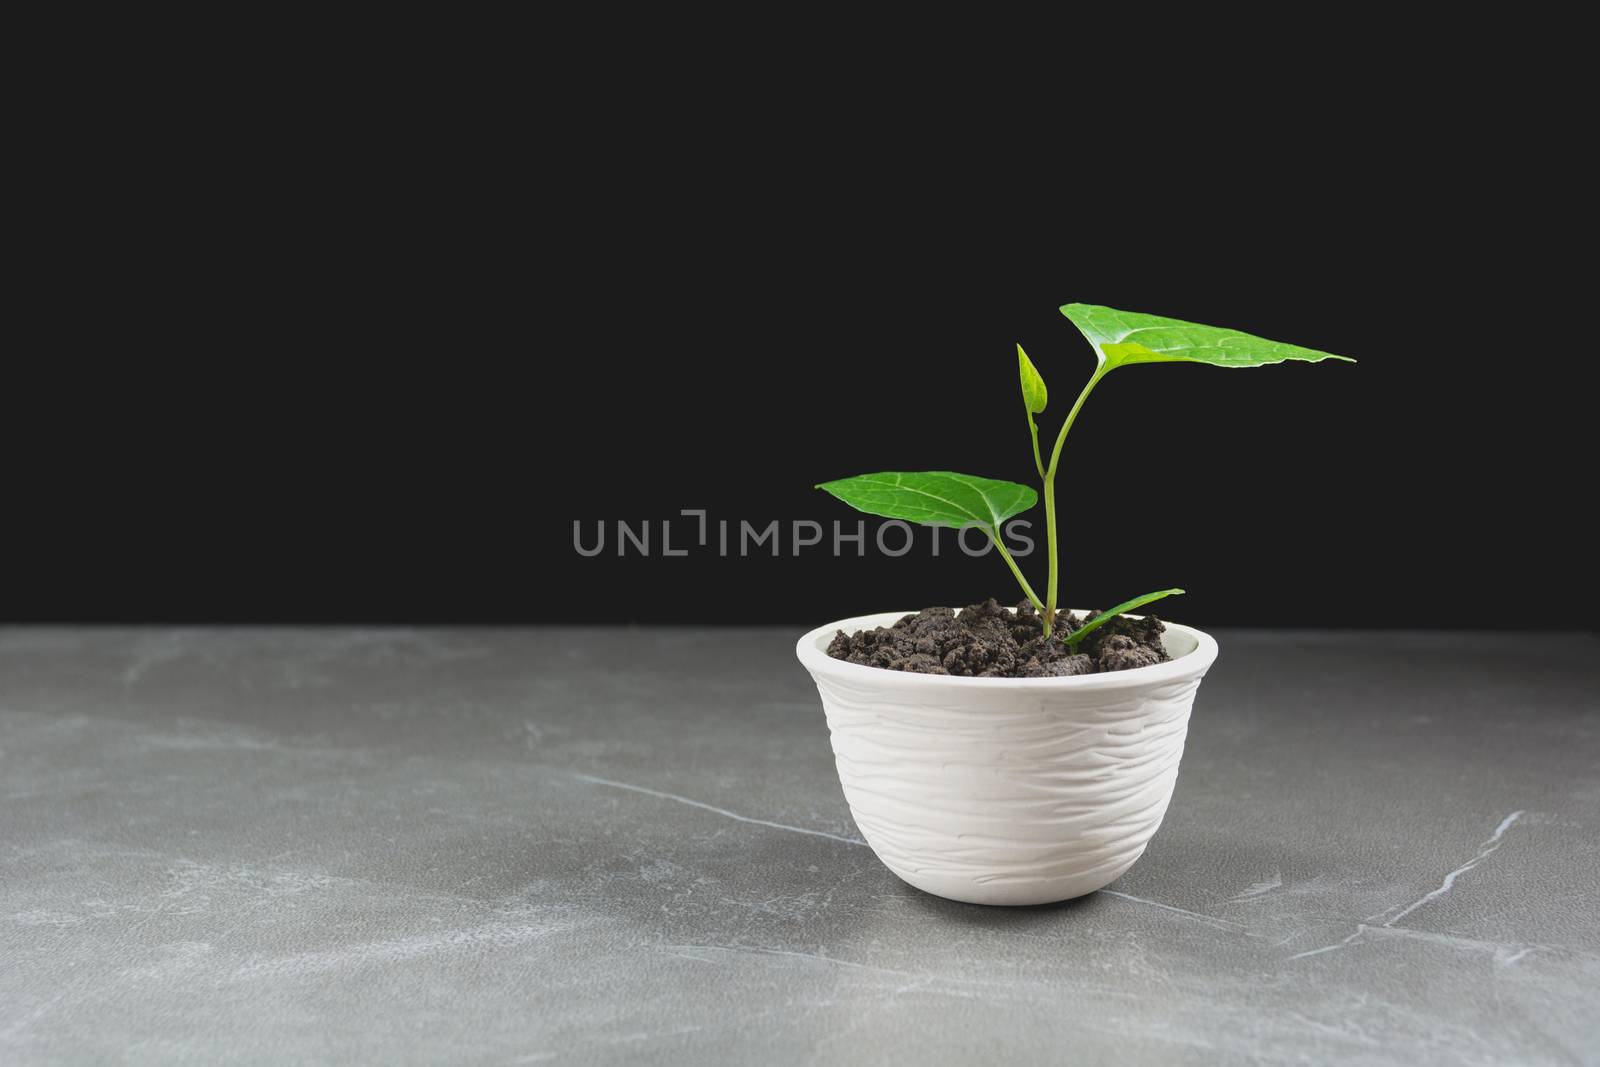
x=1120 y=339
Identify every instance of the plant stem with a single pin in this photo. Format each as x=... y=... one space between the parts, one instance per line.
x=1015 y=570
x=1050 y=498
x=1048 y=613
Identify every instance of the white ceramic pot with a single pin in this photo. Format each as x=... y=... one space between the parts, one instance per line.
x=1007 y=790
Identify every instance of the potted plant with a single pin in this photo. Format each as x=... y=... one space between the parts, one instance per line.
x=1023 y=756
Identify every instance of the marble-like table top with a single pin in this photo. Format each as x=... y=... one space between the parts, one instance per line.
x=595 y=846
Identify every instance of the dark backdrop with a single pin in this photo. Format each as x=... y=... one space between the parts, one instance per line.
x=381 y=389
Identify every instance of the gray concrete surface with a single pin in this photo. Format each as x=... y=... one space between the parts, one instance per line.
x=591 y=846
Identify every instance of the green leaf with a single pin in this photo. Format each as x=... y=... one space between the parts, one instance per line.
x=934 y=498
x=1123 y=337
x=1106 y=616
x=1034 y=398
x=1034 y=394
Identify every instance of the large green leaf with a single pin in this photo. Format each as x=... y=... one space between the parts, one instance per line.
x=1123 y=337
x=934 y=498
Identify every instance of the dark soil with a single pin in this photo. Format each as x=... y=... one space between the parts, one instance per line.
x=987 y=641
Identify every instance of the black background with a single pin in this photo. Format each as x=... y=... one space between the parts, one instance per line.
x=375 y=375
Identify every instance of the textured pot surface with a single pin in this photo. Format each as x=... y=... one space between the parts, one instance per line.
x=1007 y=790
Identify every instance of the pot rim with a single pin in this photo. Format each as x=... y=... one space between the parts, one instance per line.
x=812 y=650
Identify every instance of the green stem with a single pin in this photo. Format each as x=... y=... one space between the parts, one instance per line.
x=1050 y=498
x=1048 y=614
x=1033 y=430
x=1015 y=570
